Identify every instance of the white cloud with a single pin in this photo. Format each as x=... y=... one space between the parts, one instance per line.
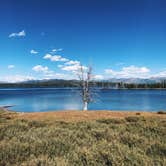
x=71 y=62
x=19 y=34
x=54 y=50
x=160 y=74
x=130 y=71
x=73 y=68
x=40 y=68
x=55 y=58
x=57 y=49
x=98 y=77
x=60 y=66
x=11 y=66
x=49 y=74
x=47 y=56
x=16 y=78
x=33 y=52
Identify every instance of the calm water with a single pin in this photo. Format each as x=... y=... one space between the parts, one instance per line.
x=36 y=99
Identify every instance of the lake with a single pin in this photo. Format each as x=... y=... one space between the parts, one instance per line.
x=49 y=99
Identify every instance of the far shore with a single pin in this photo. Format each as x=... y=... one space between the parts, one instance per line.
x=2 y=88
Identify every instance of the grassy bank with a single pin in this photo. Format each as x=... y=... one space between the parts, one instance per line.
x=129 y=140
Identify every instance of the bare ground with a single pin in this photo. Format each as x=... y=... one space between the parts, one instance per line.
x=84 y=115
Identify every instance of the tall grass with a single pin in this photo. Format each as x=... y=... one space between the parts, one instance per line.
x=132 y=141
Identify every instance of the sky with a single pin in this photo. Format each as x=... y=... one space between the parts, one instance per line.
x=50 y=39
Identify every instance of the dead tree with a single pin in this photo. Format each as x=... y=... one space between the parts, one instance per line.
x=85 y=77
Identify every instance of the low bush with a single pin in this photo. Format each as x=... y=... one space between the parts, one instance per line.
x=110 y=121
x=161 y=112
x=157 y=150
x=132 y=119
x=138 y=113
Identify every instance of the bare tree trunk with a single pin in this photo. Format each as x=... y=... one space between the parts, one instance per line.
x=85 y=107
x=85 y=76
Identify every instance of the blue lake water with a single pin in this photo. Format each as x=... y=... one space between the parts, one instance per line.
x=48 y=99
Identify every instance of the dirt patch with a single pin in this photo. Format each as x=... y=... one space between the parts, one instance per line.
x=84 y=115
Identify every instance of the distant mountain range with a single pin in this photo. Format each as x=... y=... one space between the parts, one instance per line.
x=151 y=80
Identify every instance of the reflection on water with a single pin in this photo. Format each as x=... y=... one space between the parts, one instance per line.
x=37 y=99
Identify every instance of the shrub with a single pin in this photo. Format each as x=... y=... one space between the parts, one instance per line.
x=157 y=149
x=132 y=119
x=36 y=124
x=110 y=121
x=161 y=112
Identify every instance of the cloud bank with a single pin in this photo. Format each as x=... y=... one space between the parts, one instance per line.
x=129 y=72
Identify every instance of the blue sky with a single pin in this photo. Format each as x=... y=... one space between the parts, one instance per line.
x=50 y=39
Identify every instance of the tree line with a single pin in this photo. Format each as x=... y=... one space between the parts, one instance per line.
x=76 y=83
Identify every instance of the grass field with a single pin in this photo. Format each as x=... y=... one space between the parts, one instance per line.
x=77 y=139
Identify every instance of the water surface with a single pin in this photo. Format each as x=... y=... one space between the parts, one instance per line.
x=48 y=99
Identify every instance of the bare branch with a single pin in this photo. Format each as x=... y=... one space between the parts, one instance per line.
x=85 y=76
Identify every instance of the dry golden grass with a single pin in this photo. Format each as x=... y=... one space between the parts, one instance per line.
x=74 y=116
x=131 y=138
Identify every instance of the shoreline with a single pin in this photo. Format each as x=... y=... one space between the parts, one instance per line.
x=11 y=88
x=78 y=115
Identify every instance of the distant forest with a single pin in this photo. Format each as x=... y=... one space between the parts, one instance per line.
x=75 y=83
